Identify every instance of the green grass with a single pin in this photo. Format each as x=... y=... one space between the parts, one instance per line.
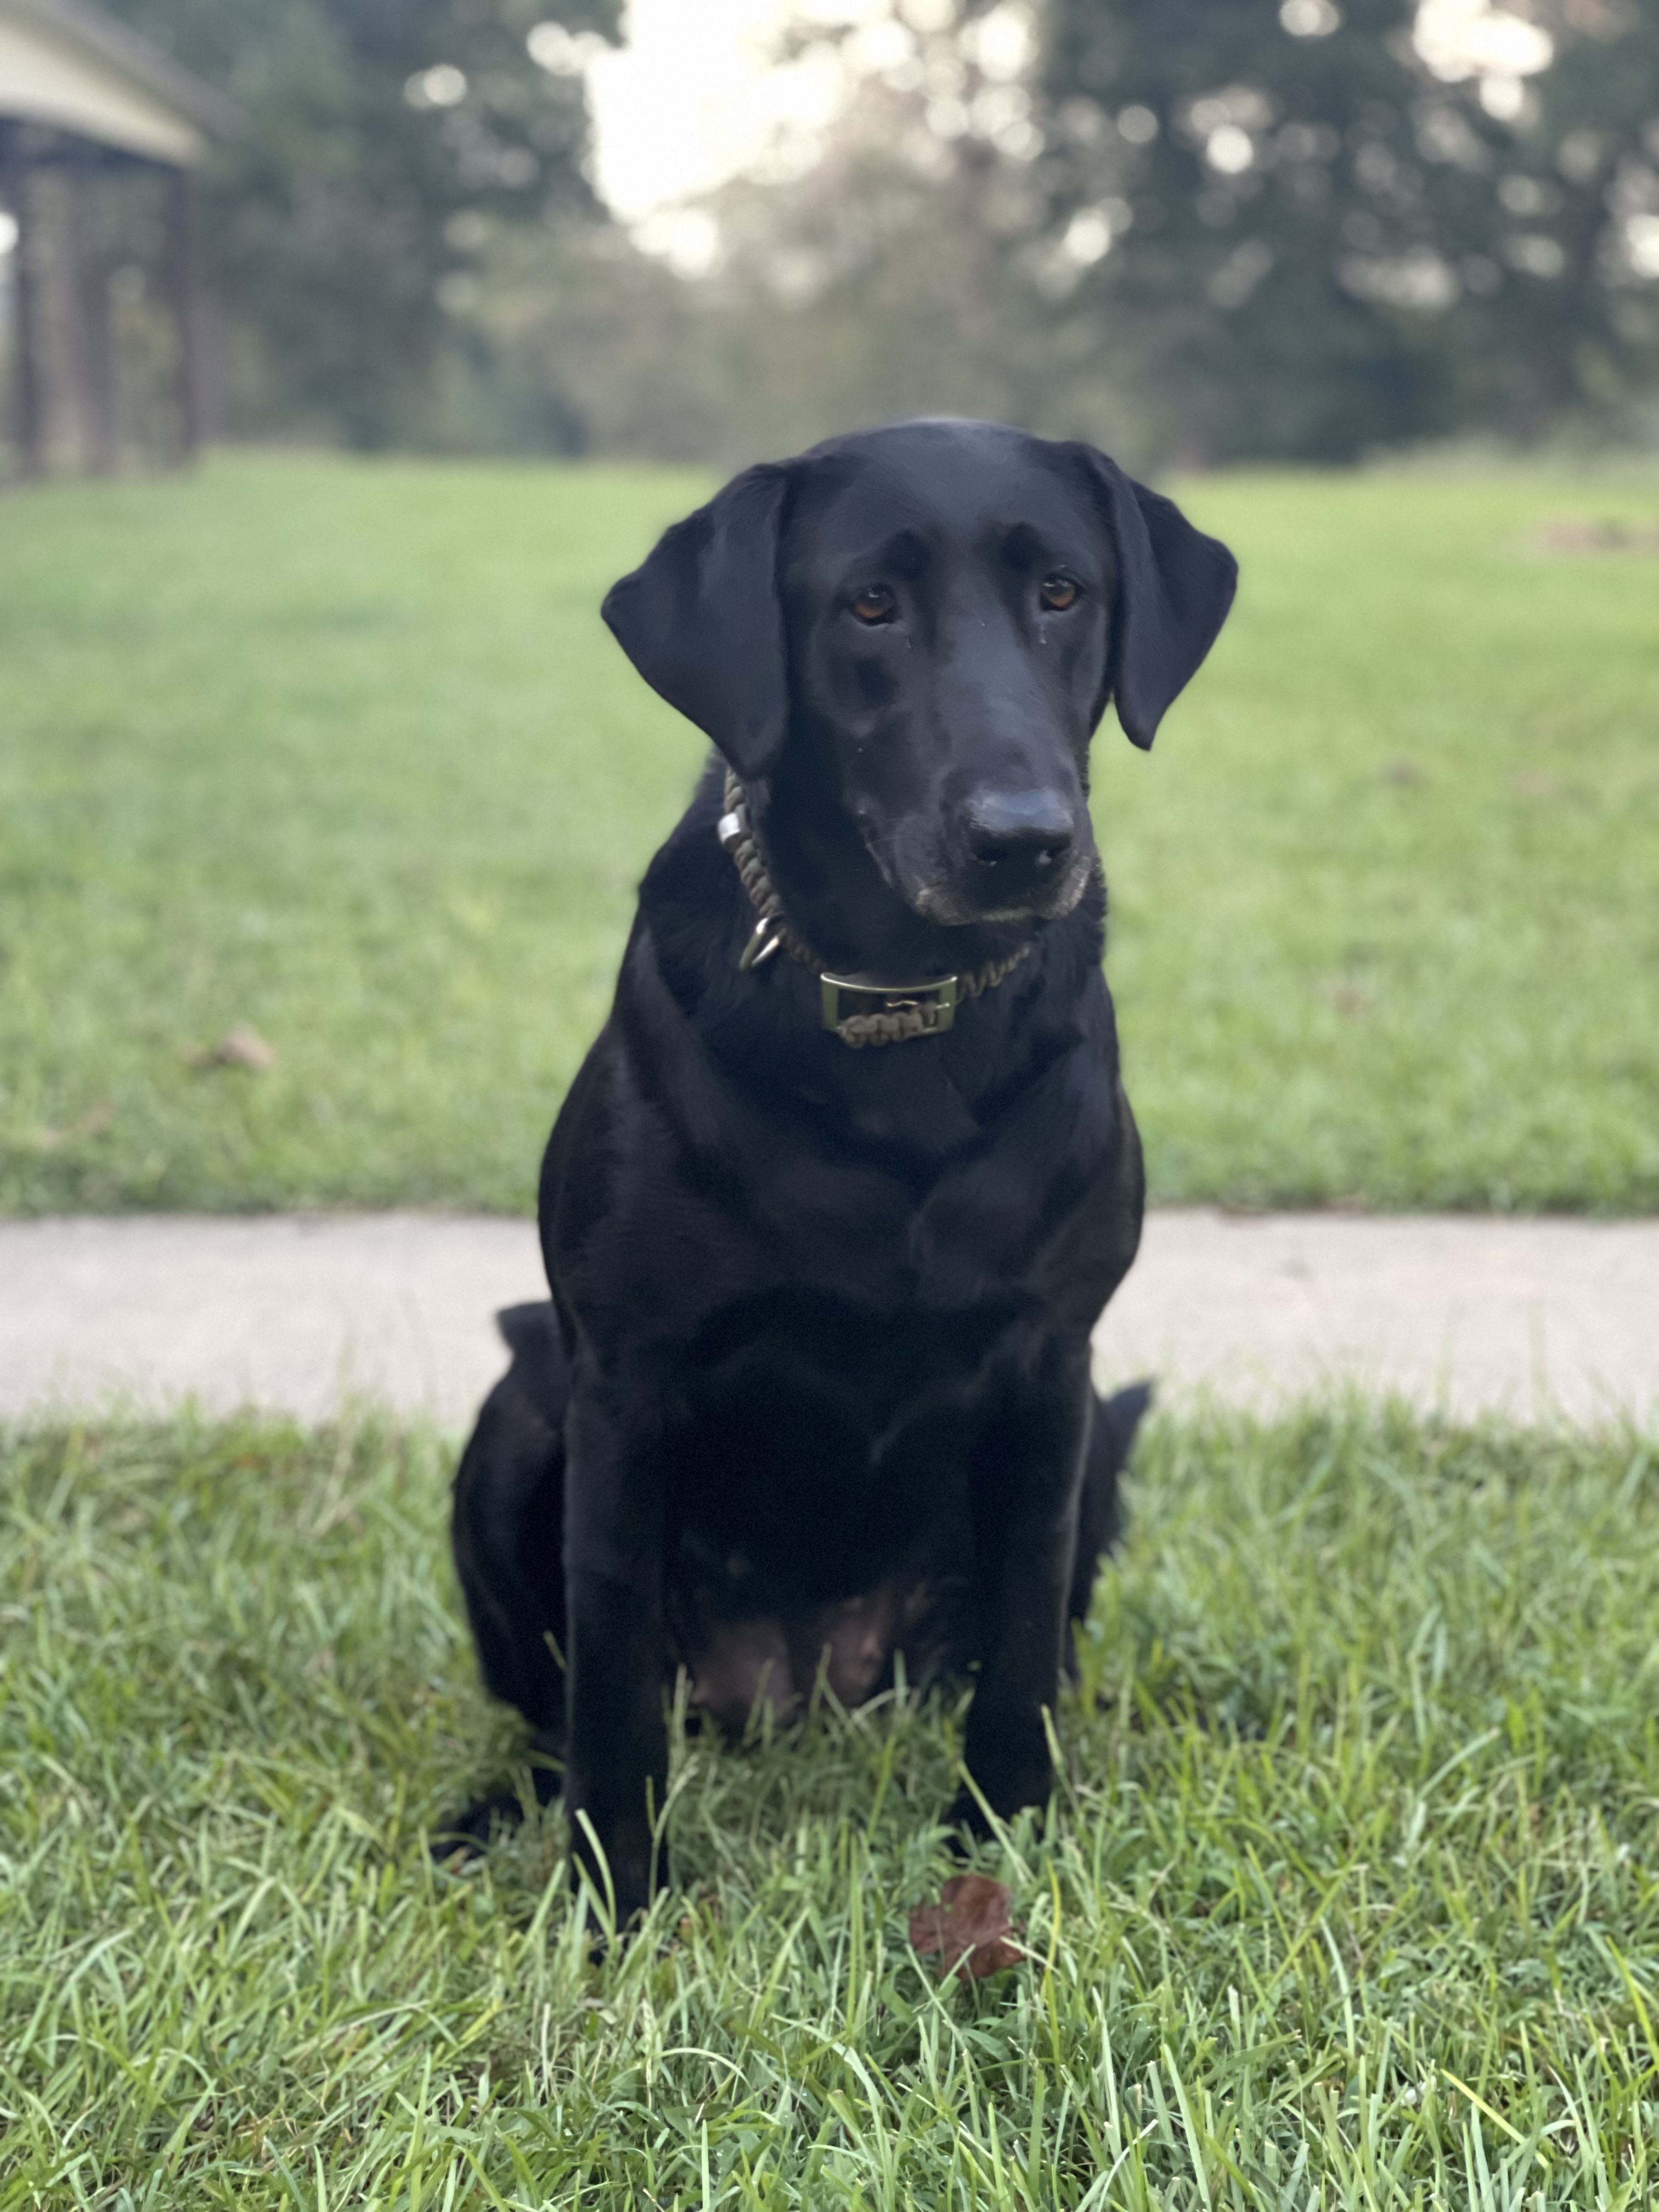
x=341 y=750
x=1351 y=1897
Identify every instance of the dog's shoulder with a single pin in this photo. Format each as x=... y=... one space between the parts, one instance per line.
x=691 y=899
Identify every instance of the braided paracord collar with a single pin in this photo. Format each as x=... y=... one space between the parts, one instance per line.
x=893 y=1012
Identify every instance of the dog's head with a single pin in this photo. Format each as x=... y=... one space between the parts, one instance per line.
x=940 y=611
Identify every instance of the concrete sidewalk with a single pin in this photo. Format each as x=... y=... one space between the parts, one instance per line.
x=1533 y=1318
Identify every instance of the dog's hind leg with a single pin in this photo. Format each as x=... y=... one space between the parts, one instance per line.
x=1100 y=1513
x=508 y=1536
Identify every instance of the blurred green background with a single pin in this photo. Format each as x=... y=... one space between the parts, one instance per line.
x=1197 y=231
x=325 y=743
x=341 y=750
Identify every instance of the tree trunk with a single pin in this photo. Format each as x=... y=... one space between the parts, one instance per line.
x=184 y=286
x=1548 y=379
x=94 y=353
x=27 y=425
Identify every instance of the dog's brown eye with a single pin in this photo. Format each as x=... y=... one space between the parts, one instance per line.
x=1058 y=592
x=875 y=604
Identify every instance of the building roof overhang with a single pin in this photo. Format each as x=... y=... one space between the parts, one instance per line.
x=68 y=66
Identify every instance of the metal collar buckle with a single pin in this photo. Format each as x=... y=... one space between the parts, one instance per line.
x=935 y=1001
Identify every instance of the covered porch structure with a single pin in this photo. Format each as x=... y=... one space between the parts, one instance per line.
x=92 y=117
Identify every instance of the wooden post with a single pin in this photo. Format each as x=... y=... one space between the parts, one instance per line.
x=95 y=353
x=27 y=427
x=183 y=282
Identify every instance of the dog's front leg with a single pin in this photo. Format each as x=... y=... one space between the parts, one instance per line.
x=616 y=1754
x=1027 y=1477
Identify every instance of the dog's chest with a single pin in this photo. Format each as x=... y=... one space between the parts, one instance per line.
x=983 y=1224
x=804 y=1413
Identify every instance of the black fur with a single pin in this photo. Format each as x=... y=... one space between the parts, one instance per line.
x=813 y=1387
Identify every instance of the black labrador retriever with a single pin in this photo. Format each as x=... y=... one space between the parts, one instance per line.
x=840 y=1192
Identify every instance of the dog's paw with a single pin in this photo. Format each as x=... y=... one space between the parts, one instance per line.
x=461 y=1840
x=464 y=1837
x=967 y=1823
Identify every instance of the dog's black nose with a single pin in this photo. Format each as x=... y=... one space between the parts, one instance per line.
x=1019 y=833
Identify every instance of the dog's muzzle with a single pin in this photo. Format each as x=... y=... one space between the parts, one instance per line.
x=860 y=1010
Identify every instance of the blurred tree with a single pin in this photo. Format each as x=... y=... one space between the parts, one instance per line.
x=1208 y=167
x=886 y=260
x=1309 y=226
x=1195 y=229
x=386 y=142
x=1544 y=189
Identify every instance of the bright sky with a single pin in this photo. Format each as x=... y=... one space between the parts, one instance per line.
x=692 y=95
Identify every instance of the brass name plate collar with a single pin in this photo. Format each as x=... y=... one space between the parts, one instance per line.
x=857 y=1009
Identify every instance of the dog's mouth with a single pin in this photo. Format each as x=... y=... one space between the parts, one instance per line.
x=955 y=891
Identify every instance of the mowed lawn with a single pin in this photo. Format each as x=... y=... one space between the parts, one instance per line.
x=342 y=751
x=1351 y=1897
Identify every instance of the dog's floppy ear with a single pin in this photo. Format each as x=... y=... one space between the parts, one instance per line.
x=1175 y=587
x=702 y=622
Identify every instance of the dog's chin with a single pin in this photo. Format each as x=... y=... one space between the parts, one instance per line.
x=949 y=904
x=938 y=891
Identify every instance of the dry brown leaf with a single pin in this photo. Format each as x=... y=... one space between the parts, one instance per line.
x=245 y=1047
x=1585 y=534
x=969 y=1927
x=1534 y=783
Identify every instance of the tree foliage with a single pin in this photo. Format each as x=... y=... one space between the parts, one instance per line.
x=1328 y=228
x=1207 y=229
x=385 y=142
x=1199 y=229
